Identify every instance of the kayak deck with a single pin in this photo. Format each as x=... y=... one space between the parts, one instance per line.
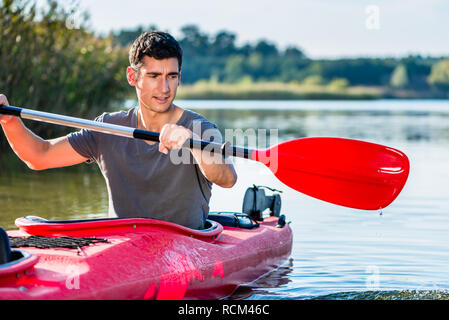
x=142 y=259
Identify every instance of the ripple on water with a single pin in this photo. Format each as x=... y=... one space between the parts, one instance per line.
x=387 y=295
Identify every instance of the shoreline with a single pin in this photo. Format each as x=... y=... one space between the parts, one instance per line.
x=293 y=91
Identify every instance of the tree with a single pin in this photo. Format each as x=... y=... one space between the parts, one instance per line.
x=127 y=37
x=313 y=80
x=266 y=49
x=399 y=77
x=294 y=53
x=292 y=64
x=223 y=44
x=193 y=41
x=48 y=64
x=418 y=69
x=234 y=69
x=255 y=65
x=359 y=71
x=439 y=75
x=338 y=84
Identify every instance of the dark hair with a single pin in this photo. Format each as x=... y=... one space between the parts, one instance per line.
x=156 y=44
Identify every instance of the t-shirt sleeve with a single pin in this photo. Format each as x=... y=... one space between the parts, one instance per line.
x=85 y=142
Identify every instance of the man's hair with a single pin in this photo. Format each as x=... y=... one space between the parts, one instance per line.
x=156 y=44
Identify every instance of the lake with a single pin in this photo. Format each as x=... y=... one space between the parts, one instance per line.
x=401 y=252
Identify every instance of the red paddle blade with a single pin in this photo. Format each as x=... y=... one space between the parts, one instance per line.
x=346 y=172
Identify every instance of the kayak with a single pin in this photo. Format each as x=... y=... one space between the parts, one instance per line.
x=140 y=258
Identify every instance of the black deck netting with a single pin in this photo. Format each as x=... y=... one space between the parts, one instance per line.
x=42 y=242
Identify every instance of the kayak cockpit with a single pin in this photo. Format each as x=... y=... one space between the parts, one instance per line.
x=56 y=228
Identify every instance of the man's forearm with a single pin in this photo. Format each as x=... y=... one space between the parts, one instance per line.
x=215 y=168
x=28 y=146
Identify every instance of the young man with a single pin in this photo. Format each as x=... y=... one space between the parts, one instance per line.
x=141 y=177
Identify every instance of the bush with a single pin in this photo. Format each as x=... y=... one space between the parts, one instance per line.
x=439 y=75
x=52 y=65
x=399 y=77
x=338 y=84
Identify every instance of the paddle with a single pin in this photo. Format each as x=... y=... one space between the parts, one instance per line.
x=346 y=172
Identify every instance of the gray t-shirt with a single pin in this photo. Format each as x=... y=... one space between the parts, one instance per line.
x=143 y=182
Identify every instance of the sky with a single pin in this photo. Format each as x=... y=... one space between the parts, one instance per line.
x=321 y=28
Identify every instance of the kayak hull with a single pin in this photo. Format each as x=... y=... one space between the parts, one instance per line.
x=143 y=259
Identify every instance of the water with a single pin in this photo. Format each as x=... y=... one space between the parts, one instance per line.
x=338 y=253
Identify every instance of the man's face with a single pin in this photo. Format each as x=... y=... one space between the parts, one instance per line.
x=157 y=83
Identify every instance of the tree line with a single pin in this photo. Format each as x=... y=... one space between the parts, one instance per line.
x=218 y=58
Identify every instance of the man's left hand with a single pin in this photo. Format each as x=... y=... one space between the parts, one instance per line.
x=172 y=137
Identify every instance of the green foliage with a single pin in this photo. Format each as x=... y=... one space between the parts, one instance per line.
x=218 y=56
x=234 y=68
x=360 y=71
x=338 y=84
x=439 y=76
x=418 y=69
x=247 y=89
x=51 y=65
x=399 y=77
x=314 y=80
x=126 y=37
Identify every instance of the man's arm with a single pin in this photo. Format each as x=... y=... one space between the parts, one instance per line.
x=37 y=153
x=213 y=166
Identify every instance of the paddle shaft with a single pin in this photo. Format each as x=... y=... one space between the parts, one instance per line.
x=118 y=130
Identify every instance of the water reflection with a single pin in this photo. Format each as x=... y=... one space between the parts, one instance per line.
x=274 y=280
x=52 y=194
x=369 y=126
x=388 y=295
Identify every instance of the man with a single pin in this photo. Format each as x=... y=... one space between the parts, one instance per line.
x=141 y=177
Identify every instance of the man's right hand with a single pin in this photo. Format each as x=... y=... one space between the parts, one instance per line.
x=36 y=152
x=4 y=119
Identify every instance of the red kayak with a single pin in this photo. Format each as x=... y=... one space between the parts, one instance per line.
x=139 y=258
